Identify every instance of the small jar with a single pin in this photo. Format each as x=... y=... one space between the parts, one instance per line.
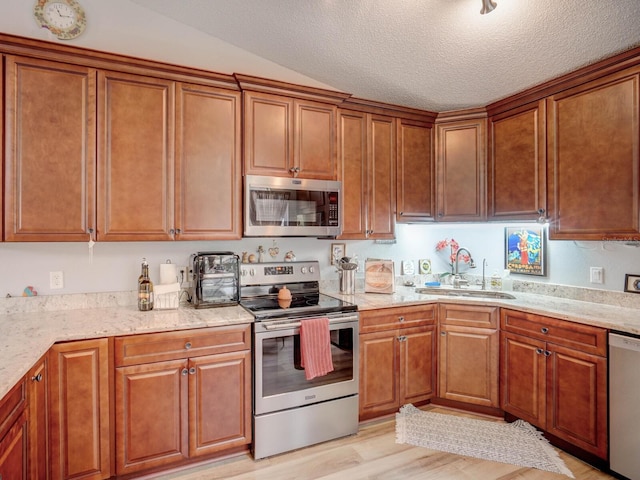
x=496 y=281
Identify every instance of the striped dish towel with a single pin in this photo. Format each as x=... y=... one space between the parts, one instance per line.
x=315 y=347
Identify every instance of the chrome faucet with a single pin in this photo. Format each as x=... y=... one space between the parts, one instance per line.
x=457 y=281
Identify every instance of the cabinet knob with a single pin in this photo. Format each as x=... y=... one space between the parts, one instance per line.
x=443 y=334
x=401 y=213
x=35 y=378
x=539 y=351
x=184 y=372
x=544 y=330
x=192 y=370
x=187 y=346
x=401 y=319
x=171 y=231
x=178 y=231
x=547 y=353
x=402 y=338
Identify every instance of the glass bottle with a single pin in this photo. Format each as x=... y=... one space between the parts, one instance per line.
x=145 y=289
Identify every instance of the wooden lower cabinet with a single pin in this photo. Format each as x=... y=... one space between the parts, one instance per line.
x=13 y=434
x=468 y=354
x=37 y=380
x=79 y=399
x=174 y=410
x=396 y=362
x=556 y=383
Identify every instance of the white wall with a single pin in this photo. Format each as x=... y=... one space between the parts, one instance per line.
x=123 y=27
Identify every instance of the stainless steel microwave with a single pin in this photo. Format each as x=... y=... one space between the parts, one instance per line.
x=291 y=207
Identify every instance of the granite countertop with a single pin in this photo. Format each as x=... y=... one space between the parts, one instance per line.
x=624 y=319
x=25 y=337
x=29 y=327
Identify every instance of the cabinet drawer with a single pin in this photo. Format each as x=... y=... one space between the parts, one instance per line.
x=156 y=347
x=561 y=332
x=469 y=316
x=11 y=406
x=396 y=317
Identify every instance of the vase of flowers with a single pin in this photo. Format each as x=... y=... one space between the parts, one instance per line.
x=449 y=248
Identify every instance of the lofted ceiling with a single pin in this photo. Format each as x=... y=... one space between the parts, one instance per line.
x=430 y=54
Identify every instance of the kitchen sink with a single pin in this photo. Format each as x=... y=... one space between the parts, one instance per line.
x=463 y=292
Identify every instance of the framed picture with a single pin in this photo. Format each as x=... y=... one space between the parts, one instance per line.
x=338 y=250
x=632 y=283
x=525 y=250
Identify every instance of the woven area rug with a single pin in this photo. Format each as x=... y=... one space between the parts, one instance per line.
x=517 y=443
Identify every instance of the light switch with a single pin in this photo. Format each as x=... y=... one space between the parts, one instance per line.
x=597 y=275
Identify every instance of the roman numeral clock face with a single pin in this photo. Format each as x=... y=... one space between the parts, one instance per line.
x=63 y=18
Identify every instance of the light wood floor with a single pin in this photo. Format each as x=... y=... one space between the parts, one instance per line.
x=373 y=454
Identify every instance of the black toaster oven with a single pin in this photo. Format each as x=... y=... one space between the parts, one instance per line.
x=216 y=279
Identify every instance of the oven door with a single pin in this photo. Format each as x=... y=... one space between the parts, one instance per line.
x=280 y=381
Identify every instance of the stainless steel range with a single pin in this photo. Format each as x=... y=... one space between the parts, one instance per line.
x=290 y=411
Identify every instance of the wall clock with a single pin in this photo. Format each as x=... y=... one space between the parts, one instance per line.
x=63 y=18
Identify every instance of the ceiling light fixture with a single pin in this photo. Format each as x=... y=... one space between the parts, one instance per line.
x=488 y=6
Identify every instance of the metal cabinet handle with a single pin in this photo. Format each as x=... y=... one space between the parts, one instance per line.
x=187 y=346
x=192 y=370
x=544 y=330
x=35 y=378
x=184 y=372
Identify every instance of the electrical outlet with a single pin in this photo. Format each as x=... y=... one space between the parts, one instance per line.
x=596 y=275
x=56 y=280
x=185 y=277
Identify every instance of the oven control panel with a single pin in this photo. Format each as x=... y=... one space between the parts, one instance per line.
x=278 y=273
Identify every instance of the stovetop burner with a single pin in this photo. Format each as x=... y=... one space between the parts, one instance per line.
x=262 y=282
x=307 y=305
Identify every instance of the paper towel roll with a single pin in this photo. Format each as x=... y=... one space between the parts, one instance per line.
x=168 y=273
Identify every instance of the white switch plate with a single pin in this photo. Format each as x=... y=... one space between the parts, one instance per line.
x=56 y=280
x=596 y=275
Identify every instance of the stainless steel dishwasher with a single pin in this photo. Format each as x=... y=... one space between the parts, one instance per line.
x=624 y=395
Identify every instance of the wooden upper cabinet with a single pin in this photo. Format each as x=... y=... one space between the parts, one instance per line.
x=2 y=114
x=50 y=145
x=460 y=167
x=516 y=171
x=268 y=141
x=594 y=159
x=208 y=176
x=415 y=172
x=135 y=157
x=287 y=137
x=353 y=153
x=367 y=158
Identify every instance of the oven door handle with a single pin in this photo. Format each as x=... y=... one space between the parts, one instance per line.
x=283 y=326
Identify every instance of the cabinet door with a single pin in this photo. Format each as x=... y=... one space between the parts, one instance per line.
x=315 y=140
x=135 y=157
x=415 y=173
x=417 y=364
x=468 y=365
x=151 y=415
x=379 y=368
x=460 y=170
x=594 y=159
x=517 y=164
x=208 y=187
x=37 y=383
x=219 y=402
x=577 y=398
x=523 y=378
x=79 y=410
x=382 y=182
x=353 y=154
x=50 y=151
x=268 y=140
x=13 y=451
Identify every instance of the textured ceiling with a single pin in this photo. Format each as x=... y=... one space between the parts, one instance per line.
x=430 y=54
